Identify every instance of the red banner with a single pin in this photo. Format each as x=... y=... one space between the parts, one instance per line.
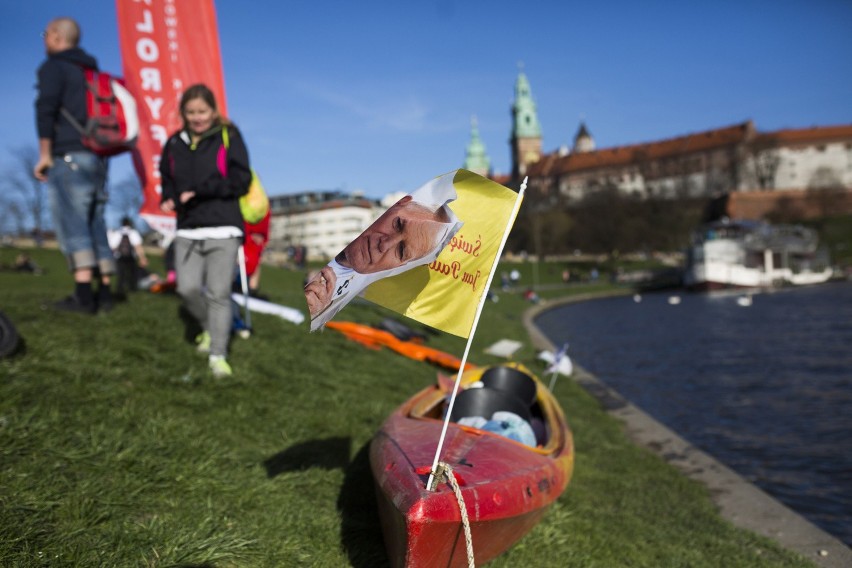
x=166 y=46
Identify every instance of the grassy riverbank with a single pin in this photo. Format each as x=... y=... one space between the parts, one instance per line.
x=118 y=449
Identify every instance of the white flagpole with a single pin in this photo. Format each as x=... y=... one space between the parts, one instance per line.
x=506 y=232
x=552 y=380
x=241 y=257
x=556 y=360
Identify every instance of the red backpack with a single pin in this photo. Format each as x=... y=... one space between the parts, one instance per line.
x=112 y=122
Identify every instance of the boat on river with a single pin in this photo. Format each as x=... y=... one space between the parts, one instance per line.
x=750 y=254
x=505 y=485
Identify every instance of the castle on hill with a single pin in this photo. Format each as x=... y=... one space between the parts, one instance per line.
x=730 y=159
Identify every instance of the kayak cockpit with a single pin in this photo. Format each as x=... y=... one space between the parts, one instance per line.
x=485 y=391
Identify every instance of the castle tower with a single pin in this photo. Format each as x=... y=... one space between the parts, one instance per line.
x=476 y=159
x=583 y=141
x=526 y=130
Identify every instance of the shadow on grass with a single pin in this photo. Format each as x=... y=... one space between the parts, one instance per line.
x=360 y=529
x=330 y=453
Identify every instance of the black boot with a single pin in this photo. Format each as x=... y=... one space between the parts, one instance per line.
x=81 y=301
x=105 y=299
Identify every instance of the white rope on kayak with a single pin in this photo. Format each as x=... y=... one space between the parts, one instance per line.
x=444 y=470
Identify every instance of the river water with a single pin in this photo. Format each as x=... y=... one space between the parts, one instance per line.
x=766 y=389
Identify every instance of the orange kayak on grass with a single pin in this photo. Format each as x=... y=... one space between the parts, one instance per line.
x=363 y=334
x=373 y=338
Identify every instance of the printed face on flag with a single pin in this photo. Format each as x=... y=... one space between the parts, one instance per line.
x=410 y=233
x=407 y=231
x=446 y=294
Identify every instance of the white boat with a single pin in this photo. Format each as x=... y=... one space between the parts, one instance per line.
x=750 y=254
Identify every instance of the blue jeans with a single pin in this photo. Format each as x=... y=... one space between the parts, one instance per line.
x=77 y=191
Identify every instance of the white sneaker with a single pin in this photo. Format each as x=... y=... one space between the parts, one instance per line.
x=219 y=367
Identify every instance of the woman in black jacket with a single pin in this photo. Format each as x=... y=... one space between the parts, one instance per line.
x=204 y=170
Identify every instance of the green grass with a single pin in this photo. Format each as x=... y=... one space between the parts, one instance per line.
x=118 y=449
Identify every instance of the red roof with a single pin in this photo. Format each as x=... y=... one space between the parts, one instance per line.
x=502 y=179
x=810 y=135
x=556 y=164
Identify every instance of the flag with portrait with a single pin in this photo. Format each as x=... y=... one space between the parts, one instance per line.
x=410 y=233
x=445 y=293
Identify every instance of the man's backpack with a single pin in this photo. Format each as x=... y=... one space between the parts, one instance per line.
x=125 y=249
x=112 y=122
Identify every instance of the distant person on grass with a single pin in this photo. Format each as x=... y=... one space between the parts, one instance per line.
x=75 y=176
x=205 y=195
x=126 y=244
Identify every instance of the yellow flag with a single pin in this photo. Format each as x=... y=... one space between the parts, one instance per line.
x=445 y=294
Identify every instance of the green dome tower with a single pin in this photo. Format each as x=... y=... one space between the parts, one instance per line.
x=476 y=159
x=526 y=130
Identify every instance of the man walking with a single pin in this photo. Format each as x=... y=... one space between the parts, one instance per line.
x=76 y=177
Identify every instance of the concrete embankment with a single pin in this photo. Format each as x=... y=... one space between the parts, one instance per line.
x=739 y=501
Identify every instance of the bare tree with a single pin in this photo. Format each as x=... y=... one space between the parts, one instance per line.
x=826 y=192
x=526 y=232
x=555 y=230
x=786 y=210
x=602 y=221
x=12 y=216
x=20 y=186
x=716 y=180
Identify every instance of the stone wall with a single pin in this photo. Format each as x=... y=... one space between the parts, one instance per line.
x=789 y=205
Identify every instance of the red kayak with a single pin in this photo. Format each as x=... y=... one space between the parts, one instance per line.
x=506 y=485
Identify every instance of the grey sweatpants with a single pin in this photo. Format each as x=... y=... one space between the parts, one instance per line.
x=205 y=274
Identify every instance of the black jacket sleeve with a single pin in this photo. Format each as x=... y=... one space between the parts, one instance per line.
x=49 y=98
x=167 y=182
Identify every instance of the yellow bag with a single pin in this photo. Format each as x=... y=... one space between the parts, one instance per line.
x=255 y=204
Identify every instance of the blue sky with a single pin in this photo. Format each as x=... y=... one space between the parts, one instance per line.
x=378 y=95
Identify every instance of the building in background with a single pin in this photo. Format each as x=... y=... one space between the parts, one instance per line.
x=707 y=164
x=323 y=222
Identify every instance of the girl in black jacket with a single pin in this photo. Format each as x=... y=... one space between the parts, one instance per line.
x=204 y=170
